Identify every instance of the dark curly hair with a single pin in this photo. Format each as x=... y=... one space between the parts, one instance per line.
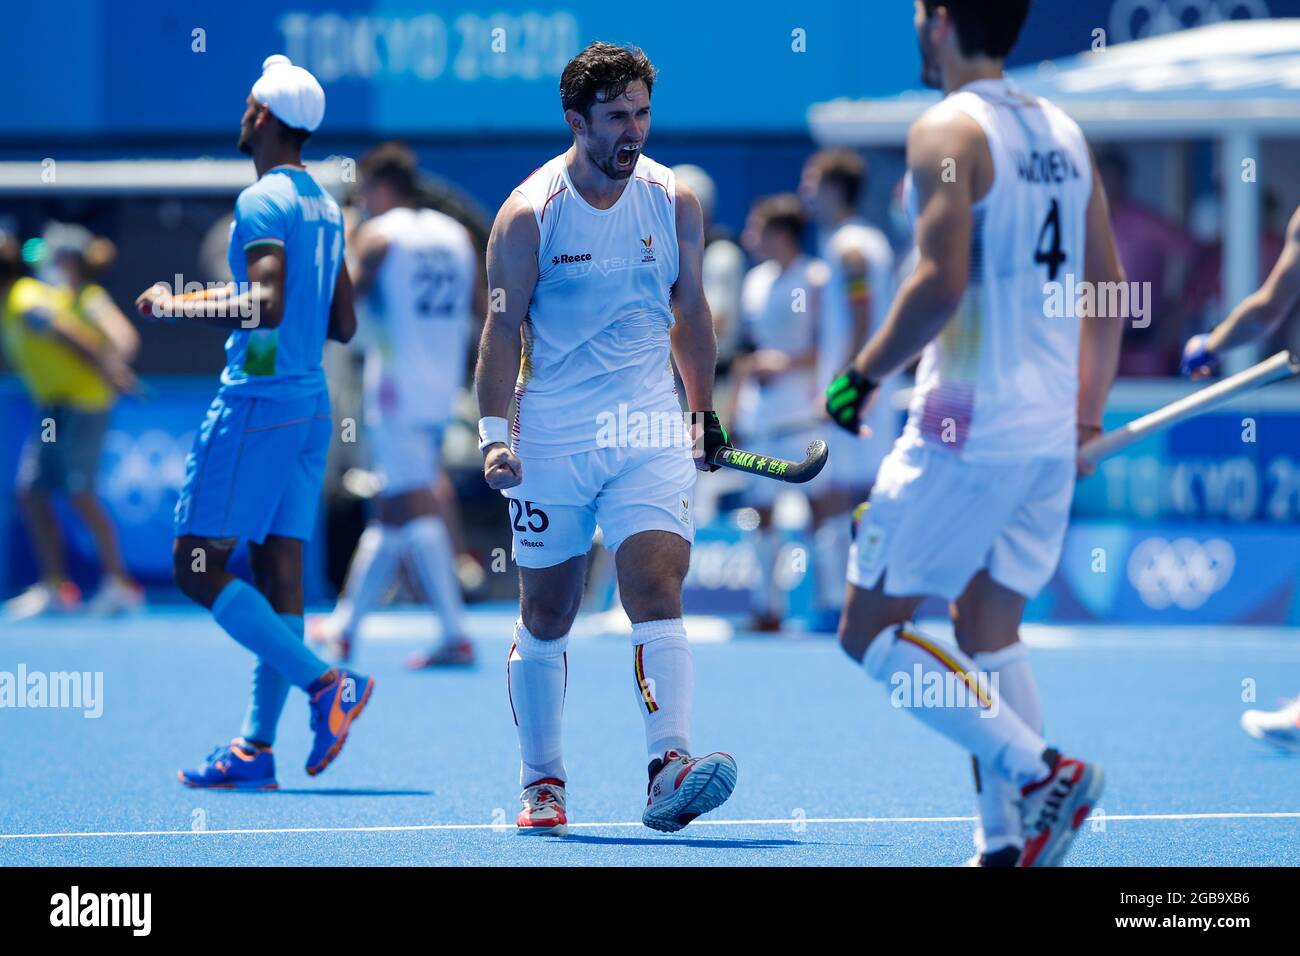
x=603 y=71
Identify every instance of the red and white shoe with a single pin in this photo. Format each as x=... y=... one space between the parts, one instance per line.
x=458 y=653
x=543 y=812
x=330 y=640
x=682 y=787
x=1054 y=809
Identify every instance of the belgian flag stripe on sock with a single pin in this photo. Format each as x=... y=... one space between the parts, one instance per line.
x=643 y=686
x=939 y=654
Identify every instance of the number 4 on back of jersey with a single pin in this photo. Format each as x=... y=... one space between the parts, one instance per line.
x=1052 y=256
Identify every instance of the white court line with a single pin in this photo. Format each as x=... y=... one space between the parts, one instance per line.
x=781 y=822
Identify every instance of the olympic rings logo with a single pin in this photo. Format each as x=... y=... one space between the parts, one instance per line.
x=1184 y=573
x=141 y=473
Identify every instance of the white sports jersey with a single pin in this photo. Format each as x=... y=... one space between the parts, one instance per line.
x=595 y=342
x=419 y=316
x=1001 y=381
x=782 y=309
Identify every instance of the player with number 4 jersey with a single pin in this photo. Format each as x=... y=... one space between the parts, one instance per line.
x=971 y=505
x=590 y=257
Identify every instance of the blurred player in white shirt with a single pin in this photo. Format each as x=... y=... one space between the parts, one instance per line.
x=972 y=504
x=782 y=303
x=417 y=273
x=862 y=265
x=1258 y=315
x=724 y=263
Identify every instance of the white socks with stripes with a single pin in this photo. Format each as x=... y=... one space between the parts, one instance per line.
x=999 y=816
x=665 y=684
x=536 y=675
x=940 y=686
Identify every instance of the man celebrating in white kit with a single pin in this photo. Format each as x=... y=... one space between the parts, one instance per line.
x=588 y=261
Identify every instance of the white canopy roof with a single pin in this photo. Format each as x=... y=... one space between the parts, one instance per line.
x=1233 y=76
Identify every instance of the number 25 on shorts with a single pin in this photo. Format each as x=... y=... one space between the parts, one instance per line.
x=537 y=522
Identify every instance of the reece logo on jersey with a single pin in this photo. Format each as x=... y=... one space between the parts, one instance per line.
x=581 y=264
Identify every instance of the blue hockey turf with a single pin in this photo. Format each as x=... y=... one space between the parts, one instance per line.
x=830 y=773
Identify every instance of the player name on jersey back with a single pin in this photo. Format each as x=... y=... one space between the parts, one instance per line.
x=596 y=343
x=1000 y=382
x=1053 y=166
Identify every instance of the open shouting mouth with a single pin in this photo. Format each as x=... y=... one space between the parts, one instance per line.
x=625 y=156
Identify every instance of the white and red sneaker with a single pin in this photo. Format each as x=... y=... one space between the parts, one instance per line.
x=543 y=812
x=329 y=639
x=1054 y=808
x=1280 y=728
x=682 y=787
x=454 y=653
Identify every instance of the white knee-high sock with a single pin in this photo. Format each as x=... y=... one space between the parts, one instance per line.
x=999 y=816
x=536 y=676
x=665 y=684
x=765 y=598
x=379 y=553
x=428 y=547
x=967 y=712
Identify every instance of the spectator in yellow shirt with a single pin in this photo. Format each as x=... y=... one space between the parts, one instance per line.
x=72 y=353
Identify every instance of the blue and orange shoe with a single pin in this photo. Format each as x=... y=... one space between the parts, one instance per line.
x=237 y=765
x=334 y=707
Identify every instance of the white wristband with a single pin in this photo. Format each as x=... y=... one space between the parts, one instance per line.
x=492 y=430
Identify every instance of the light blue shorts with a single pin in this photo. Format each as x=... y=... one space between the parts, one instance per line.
x=256 y=468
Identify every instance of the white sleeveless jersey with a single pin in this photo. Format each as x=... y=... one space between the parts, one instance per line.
x=419 y=317
x=782 y=310
x=595 y=342
x=1000 y=382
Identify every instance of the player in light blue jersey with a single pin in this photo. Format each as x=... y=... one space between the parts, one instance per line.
x=257 y=463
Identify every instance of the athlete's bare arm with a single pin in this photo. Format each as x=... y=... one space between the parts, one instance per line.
x=857 y=287
x=261 y=306
x=371 y=247
x=1099 y=337
x=511 y=277
x=1268 y=306
x=694 y=344
x=343 y=313
x=951 y=170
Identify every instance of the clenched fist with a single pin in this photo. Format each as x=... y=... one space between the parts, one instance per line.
x=502 y=468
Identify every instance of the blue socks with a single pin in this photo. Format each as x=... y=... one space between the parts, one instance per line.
x=269 y=692
x=247 y=616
